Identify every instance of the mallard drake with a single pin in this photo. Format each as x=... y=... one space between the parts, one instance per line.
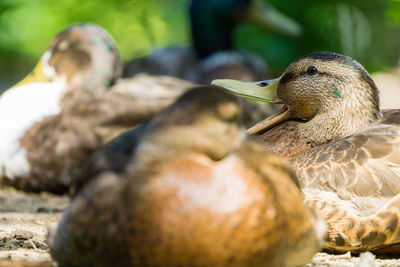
x=69 y=106
x=344 y=148
x=212 y=55
x=189 y=198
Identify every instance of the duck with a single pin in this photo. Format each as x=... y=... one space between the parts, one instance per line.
x=344 y=148
x=196 y=191
x=212 y=54
x=70 y=105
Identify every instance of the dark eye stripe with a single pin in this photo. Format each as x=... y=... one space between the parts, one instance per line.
x=302 y=73
x=289 y=76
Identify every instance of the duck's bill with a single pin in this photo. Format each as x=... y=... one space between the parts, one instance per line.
x=266 y=16
x=261 y=127
x=264 y=91
x=36 y=75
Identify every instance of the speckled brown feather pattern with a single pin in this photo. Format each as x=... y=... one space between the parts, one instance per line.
x=345 y=150
x=355 y=183
x=195 y=204
x=284 y=139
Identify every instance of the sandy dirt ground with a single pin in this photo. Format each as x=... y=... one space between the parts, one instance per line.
x=26 y=218
x=24 y=223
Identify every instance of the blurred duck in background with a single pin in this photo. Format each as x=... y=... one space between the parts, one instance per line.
x=197 y=191
x=70 y=106
x=345 y=149
x=213 y=53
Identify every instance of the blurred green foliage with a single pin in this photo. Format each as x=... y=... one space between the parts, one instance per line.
x=368 y=30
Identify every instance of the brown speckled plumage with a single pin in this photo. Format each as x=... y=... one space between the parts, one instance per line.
x=345 y=150
x=355 y=183
x=189 y=198
x=284 y=139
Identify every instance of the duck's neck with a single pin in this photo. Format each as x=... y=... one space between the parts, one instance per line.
x=284 y=139
x=292 y=138
x=338 y=121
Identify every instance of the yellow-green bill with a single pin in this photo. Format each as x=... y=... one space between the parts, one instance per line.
x=262 y=91
x=36 y=75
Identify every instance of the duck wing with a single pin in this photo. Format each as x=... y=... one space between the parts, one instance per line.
x=354 y=183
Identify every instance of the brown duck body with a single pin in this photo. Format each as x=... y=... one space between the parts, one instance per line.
x=354 y=182
x=182 y=199
x=92 y=107
x=58 y=145
x=345 y=151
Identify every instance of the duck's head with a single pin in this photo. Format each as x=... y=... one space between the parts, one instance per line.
x=83 y=55
x=327 y=93
x=196 y=123
x=213 y=21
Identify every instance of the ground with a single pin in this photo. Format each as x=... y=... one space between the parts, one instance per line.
x=24 y=222
x=26 y=218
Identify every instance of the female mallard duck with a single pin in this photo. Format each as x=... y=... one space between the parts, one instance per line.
x=345 y=150
x=65 y=110
x=189 y=198
x=212 y=55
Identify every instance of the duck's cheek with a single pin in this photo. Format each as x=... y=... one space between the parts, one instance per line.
x=290 y=93
x=303 y=110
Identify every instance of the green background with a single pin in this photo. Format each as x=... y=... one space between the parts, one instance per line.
x=368 y=30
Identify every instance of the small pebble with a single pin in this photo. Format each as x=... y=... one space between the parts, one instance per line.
x=3 y=236
x=22 y=234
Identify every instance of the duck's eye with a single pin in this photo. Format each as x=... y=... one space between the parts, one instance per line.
x=312 y=70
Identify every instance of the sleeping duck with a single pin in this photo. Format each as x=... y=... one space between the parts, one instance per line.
x=212 y=55
x=69 y=106
x=346 y=151
x=197 y=191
